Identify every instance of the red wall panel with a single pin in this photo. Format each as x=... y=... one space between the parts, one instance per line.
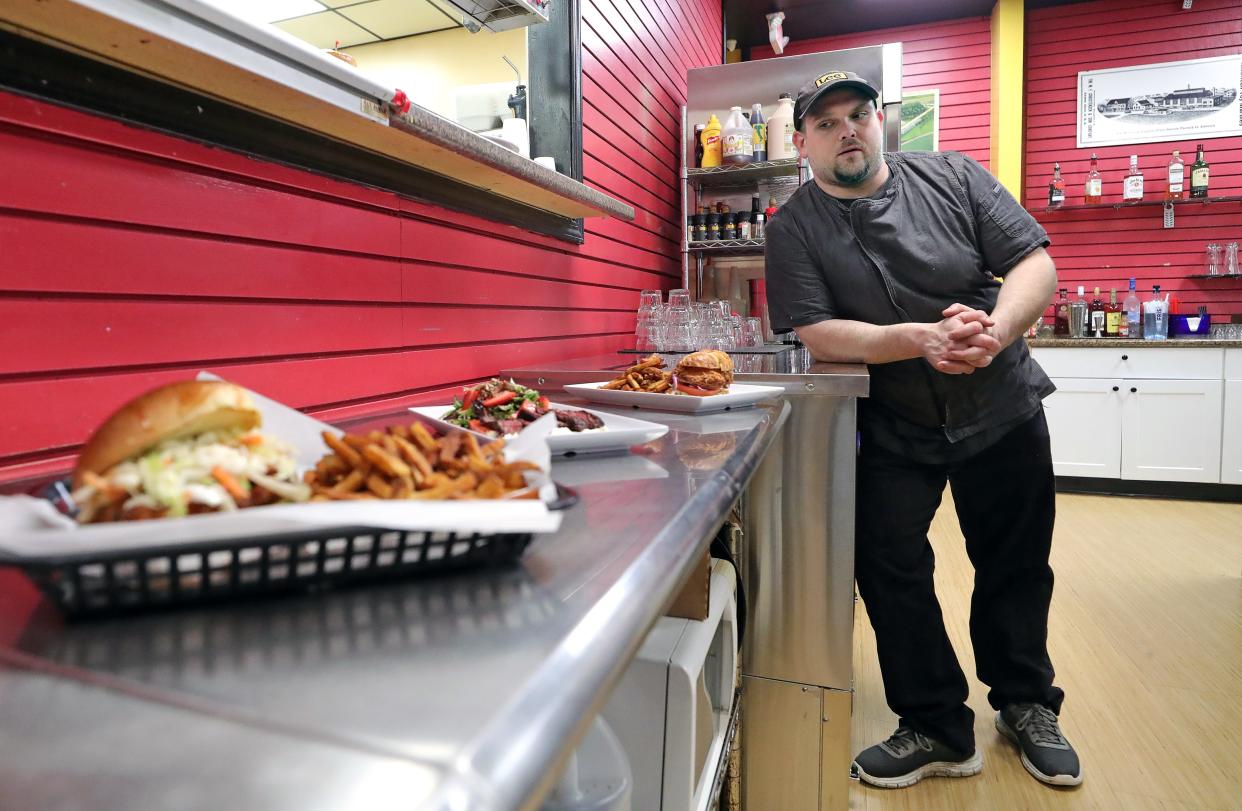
x=1105 y=247
x=132 y=258
x=954 y=57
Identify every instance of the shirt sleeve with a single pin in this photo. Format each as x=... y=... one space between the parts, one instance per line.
x=798 y=294
x=1006 y=231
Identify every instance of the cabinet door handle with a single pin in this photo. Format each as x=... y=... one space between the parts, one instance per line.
x=1133 y=389
x=1125 y=357
x=1115 y=388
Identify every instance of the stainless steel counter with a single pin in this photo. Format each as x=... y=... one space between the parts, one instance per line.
x=797 y=568
x=458 y=693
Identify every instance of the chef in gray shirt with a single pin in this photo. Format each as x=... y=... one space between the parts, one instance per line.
x=895 y=261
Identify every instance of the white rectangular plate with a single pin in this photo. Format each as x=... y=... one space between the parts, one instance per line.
x=619 y=432
x=741 y=395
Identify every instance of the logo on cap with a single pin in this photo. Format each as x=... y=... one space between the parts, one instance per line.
x=830 y=77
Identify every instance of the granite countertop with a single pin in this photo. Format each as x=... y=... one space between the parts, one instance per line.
x=1104 y=343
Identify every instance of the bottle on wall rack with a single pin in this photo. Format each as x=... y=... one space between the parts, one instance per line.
x=1177 y=177
x=1056 y=188
x=1132 y=190
x=1199 y=175
x=1093 y=192
x=711 y=143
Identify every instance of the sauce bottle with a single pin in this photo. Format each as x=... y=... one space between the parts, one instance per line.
x=711 y=143
x=781 y=129
x=759 y=139
x=737 y=140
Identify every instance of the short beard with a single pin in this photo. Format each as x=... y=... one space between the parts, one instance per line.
x=854 y=179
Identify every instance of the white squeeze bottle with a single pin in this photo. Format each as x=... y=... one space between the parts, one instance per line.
x=781 y=129
x=737 y=139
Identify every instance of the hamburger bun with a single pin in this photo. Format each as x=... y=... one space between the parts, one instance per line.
x=703 y=373
x=175 y=411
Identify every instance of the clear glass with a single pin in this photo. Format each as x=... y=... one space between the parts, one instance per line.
x=679 y=298
x=752 y=332
x=1231 y=259
x=1212 y=260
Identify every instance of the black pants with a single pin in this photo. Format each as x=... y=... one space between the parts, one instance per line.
x=1005 y=502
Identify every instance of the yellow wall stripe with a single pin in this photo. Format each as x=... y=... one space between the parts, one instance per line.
x=1007 y=82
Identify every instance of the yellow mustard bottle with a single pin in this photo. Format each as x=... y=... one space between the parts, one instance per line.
x=711 y=142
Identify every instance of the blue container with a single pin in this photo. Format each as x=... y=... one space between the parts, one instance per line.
x=1190 y=326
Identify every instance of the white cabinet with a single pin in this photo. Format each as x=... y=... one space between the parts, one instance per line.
x=1084 y=421
x=1231 y=437
x=1153 y=414
x=1171 y=430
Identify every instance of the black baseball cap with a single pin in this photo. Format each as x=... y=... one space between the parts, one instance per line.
x=813 y=90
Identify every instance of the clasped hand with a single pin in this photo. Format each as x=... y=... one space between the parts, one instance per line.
x=962 y=342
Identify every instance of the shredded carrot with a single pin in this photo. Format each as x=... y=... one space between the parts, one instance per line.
x=251 y=440
x=228 y=482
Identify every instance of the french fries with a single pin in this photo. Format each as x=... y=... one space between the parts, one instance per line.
x=407 y=462
x=647 y=375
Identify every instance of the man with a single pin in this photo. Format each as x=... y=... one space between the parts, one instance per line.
x=893 y=260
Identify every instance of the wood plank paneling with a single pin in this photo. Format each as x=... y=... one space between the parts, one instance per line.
x=953 y=57
x=1105 y=247
x=132 y=258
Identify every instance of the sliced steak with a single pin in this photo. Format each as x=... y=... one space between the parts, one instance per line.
x=578 y=420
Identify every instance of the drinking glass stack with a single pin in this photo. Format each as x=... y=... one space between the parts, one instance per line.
x=683 y=325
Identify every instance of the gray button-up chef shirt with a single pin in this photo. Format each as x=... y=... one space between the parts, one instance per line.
x=938 y=232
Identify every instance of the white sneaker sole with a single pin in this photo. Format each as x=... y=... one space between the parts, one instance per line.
x=1050 y=779
x=940 y=768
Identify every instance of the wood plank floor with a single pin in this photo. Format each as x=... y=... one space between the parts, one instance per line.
x=1146 y=637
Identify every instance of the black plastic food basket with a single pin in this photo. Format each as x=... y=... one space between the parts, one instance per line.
x=98 y=582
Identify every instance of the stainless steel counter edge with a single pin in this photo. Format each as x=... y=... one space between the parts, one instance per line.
x=512 y=768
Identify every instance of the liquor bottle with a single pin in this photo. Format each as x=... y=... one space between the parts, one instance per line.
x=1097 y=316
x=1133 y=189
x=1199 y=175
x=1132 y=324
x=1156 y=316
x=1078 y=316
x=1094 y=191
x=1056 y=188
x=1112 y=316
x=1177 y=177
x=1061 y=315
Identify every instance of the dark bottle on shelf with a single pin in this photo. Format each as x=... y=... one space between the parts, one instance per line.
x=1199 y=175
x=1096 y=316
x=698 y=145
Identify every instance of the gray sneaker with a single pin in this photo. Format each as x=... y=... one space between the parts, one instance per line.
x=908 y=756
x=1045 y=752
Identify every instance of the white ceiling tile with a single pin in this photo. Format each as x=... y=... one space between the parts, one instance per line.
x=397 y=18
x=266 y=11
x=325 y=28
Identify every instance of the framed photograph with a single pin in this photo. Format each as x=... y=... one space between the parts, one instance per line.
x=920 y=121
x=1172 y=101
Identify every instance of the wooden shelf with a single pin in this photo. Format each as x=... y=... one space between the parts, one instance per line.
x=1217 y=276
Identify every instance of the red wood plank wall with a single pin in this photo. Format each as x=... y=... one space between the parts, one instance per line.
x=954 y=57
x=131 y=258
x=1106 y=247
